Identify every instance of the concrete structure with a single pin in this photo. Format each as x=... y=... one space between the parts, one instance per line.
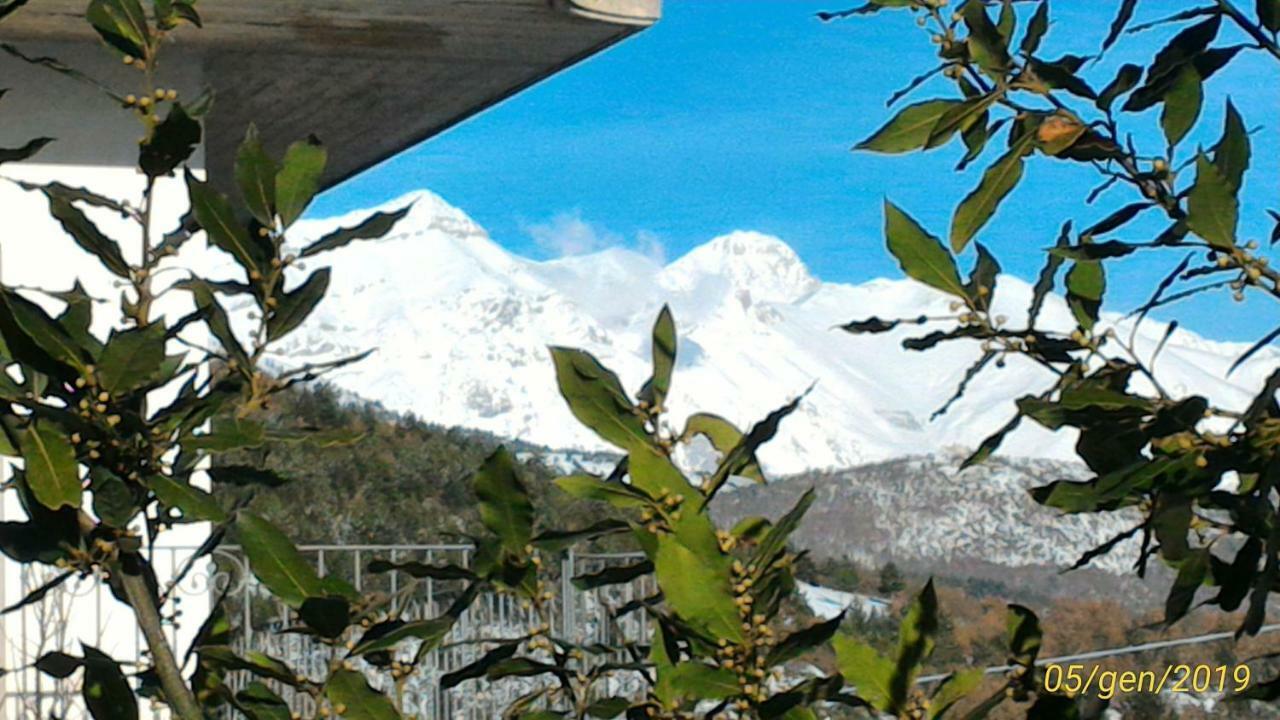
x=368 y=78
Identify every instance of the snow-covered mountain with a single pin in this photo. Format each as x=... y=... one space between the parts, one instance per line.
x=461 y=328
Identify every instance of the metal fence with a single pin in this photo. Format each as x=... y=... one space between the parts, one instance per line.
x=83 y=611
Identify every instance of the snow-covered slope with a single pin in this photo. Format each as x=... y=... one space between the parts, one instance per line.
x=461 y=327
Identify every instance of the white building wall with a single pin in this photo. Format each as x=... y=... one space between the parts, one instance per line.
x=95 y=147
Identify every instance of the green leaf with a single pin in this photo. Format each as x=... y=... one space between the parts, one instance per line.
x=256 y=175
x=1007 y=22
x=921 y=255
x=986 y=46
x=697 y=588
x=259 y=702
x=590 y=487
x=743 y=454
x=295 y=306
x=1231 y=154
x=131 y=357
x=244 y=475
x=1212 y=208
x=915 y=642
x=613 y=575
x=655 y=389
x=1086 y=284
x=1123 y=16
x=171 y=144
x=1191 y=575
x=50 y=462
x=422 y=570
x=596 y=398
x=431 y=632
x=86 y=234
x=106 y=691
x=1036 y=29
x=1024 y=635
x=952 y=690
x=867 y=671
x=276 y=562
x=607 y=708
x=724 y=437
x=329 y=616
x=215 y=317
x=372 y=228
x=25 y=152
x=1269 y=14
x=58 y=665
x=225 y=435
x=34 y=338
x=1182 y=105
x=113 y=502
x=195 y=504
x=122 y=24
x=505 y=508
x=214 y=213
x=299 y=179
x=979 y=205
x=349 y=688
x=1126 y=79
x=702 y=682
x=910 y=129
x=802 y=641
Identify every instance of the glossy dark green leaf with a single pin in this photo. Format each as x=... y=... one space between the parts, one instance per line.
x=25 y=152
x=431 y=632
x=1191 y=575
x=113 y=502
x=1036 y=29
x=106 y=691
x=372 y=228
x=1007 y=22
x=58 y=665
x=959 y=118
x=803 y=641
x=1123 y=16
x=505 y=508
x=131 y=357
x=1094 y=251
x=295 y=306
x=977 y=208
x=362 y=702
x=1086 y=284
x=86 y=234
x=329 y=616
x=1126 y=79
x=195 y=504
x=1181 y=105
x=654 y=391
x=1212 y=207
x=256 y=175
x=916 y=640
x=1231 y=154
x=910 y=129
x=50 y=462
x=986 y=45
x=299 y=179
x=608 y=708
x=122 y=24
x=613 y=575
x=259 y=702
x=1183 y=48
x=1024 y=637
x=981 y=287
x=596 y=398
x=921 y=255
x=742 y=456
x=226 y=232
x=276 y=562
x=1269 y=14
x=422 y=570
x=244 y=476
x=1061 y=75
x=219 y=323
x=172 y=143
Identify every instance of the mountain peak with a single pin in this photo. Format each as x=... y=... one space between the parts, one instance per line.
x=749 y=265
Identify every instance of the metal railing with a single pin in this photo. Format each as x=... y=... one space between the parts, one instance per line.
x=83 y=611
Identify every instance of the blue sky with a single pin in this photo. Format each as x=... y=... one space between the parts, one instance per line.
x=740 y=114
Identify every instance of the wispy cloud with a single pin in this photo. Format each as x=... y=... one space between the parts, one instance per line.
x=568 y=233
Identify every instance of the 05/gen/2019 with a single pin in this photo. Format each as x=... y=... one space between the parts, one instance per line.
x=1076 y=679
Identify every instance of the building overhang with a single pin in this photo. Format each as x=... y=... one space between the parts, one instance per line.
x=368 y=78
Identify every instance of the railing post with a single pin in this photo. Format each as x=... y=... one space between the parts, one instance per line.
x=566 y=596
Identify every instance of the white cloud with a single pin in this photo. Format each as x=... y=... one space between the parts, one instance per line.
x=568 y=233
